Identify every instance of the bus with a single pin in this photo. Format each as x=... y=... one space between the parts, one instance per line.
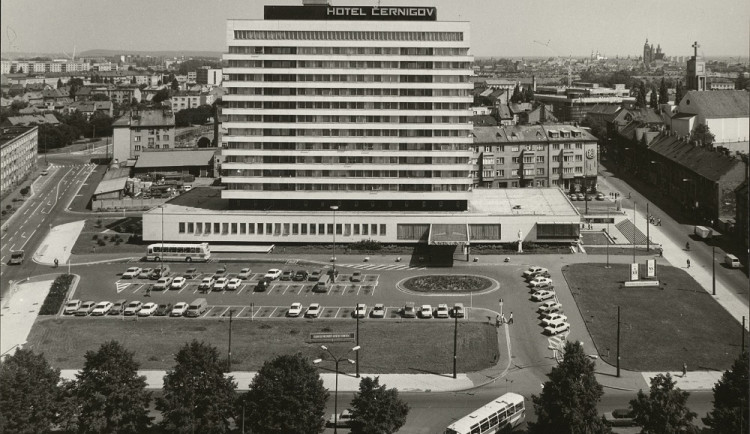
x=178 y=252
x=501 y=415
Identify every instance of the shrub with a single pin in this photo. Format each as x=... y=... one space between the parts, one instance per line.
x=25 y=191
x=326 y=329
x=8 y=207
x=101 y=243
x=56 y=296
x=293 y=332
x=98 y=223
x=3 y=212
x=95 y=237
x=366 y=245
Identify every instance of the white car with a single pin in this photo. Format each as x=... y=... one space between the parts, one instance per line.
x=148 y=309
x=540 y=282
x=425 y=311
x=179 y=309
x=557 y=328
x=550 y=307
x=294 y=310
x=163 y=283
x=102 y=308
x=442 y=311
x=71 y=307
x=360 y=311
x=534 y=270
x=378 y=311
x=178 y=282
x=245 y=273
x=273 y=274
x=234 y=283
x=131 y=273
x=542 y=295
x=86 y=308
x=221 y=284
x=133 y=307
x=553 y=318
x=313 y=311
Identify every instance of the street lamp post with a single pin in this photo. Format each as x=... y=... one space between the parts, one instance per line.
x=161 y=256
x=336 y=360
x=607 y=266
x=334 y=208
x=713 y=269
x=634 y=232
x=648 y=226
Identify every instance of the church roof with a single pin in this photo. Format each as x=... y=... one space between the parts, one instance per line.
x=718 y=103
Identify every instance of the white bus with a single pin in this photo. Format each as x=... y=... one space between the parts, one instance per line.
x=504 y=413
x=178 y=252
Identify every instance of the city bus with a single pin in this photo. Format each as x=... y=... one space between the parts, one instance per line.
x=501 y=415
x=178 y=252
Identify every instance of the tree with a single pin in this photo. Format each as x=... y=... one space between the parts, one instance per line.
x=654 y=100
x=663 y=92
x=517 y=96
x=377 y=410
x=110 y=395
x=741 y=82
x=28 y=393
x=161 y=95
x=59 y=83
x=197 y=397
x=731 y=396
x=641 y=95
x=175 y=85
x=663 y=410
x=703 y=134
x=679 y=93
x=287 y=395
x=528 y=95
x=101 y=124
x=99 y=97
x=568 y=401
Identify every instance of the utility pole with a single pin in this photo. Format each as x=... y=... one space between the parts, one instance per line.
x=648 y=227
x=356 y=353
x=743 y=334
x=229 y=352
x=713 y=269
x=455 y=342
x=634 y=232
x=607 y=266
x=618 y=341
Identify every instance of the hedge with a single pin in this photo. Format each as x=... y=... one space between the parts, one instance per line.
x=56 y=295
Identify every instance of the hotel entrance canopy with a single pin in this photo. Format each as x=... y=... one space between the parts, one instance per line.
x=448 y=234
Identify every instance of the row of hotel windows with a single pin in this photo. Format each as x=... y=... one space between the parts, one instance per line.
x=349 y=119
x=351 y=51
x=291 y=146
x=151 y=145
x=347 y=78
x=304 y=91
x=538 y=147
x=344 y=36
x=415 y=174
x=278 y=186
x=357 y=64
x=352 y=105
x=327 y=132
x=344 y=229
x=531 y=172
x=487 y=161
x=317 y=159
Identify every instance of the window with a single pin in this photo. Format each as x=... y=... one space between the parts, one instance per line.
x=500 y=173
x=528 y=160
x=557 y=230
x=137 y=138
x=217 y=228
x=137 y=147
x=242 y=229
x=234 y=228
x=365 y=228
x=199 y=228
x=208 y=227
x=514 y=148
x=313 y=228
x=191 y=228
x=339 y=229
x=556 y=147
x=286 y=229
x=382 y=230
x=322 y=229
x=225 y=228
x=500 y=160
x=277 y=229
x=540 y=172
x=540 y=159
x=295 y=228
x=251 y=228
x=516 y=160
x=181 y=227
x=303 y=228
x=329 y=228
x=260 y=228
x=514 y=172
x=374 y=229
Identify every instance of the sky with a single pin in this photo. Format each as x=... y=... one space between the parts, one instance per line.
x=500 y=28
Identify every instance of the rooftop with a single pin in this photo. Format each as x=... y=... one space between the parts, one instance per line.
x=704 y=161
x=146 y=118
x=175 y=158
x=8 y=134
x=717 y=103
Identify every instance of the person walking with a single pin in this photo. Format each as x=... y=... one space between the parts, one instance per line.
x=502 y=319
x=510 y=319
x=56 y=262
x=688 y=263
x=684 y=369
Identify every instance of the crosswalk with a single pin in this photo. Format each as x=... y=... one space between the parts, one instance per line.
x=381 y=267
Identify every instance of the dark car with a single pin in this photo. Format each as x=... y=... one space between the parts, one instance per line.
x=118 y=308
x=163 y=309
x=287 y=275
x=263 y=284
x=314 y=276
x=300 y=276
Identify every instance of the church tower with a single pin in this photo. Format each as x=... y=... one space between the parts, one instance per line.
x=696 y=71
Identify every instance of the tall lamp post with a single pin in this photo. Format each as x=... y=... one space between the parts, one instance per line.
x=161 y=255
x=607 y=266
x=334 y=208
x=336 y=360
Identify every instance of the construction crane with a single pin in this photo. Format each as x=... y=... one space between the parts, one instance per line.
x=570 y=60
x=72 y=58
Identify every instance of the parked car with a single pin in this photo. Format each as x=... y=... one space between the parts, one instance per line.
x=145 y=272
x=178 y=282
x=191 y=273
x=262 y=284
x=410 y=310
x=425 y=311
x=549 y=307
x=314 y=276
x=531 y=277
x=378 y=311
x=133 y=307
x=220 y=284
x=163 y=309
x=220 y=272
x=600 y=196
x=360 y=311
x=273 y=274
x=356 y=277
x=179 y=309
x=458 y=310
x=619 y=417
x=207 y=283
x=294 y=310
x=343 y=420
x=118 y=307
x=540 y=282
x=148 y=309
x=163 y=283
x=557 y=328
x=442 y=311
x=286 y=275
x=234 y=283
x=245 y=273
x=71 y=307
x=160 y=272
x=313 y=311
x=101 y=308
x=300 y=276
x=86 y=308
x=131 y=273
x=552 y=318
x=542 y=295
x=45 y=172
x=580 y=196
x=534 y=270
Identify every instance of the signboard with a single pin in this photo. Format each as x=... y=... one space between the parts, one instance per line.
x=331 y=337
x=651 y=268
x=633 y=271
x=357 y=13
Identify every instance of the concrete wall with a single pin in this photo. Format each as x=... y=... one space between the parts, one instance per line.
x=119 y=204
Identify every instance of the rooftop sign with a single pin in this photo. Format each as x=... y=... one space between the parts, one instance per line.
x=358 y=13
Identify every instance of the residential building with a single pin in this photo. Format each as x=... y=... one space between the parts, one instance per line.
x=725 y=112
x=193 y=161
x=207 y=75
x=570 y=104
x=741 y=222
x=139 y=131
x=31 y=120
x=18 y=151
x=125 y=93
x=89 y=108
x=182 y=100
x=192 y=76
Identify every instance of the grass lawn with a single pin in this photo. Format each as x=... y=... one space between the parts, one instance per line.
x=449 y=283
x=105 y=230
x=387 y=347
x=660 y=328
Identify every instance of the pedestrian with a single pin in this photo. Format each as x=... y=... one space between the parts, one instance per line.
x=688 y=263
x=148 y=292
x=661 y=251
x=658 y=222
x=684 y=369
x=502 y=318
x=497 y=321
x=56 y=262
x=510 y=319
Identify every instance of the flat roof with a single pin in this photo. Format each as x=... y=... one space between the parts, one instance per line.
x=110 y=185
x=174 y=158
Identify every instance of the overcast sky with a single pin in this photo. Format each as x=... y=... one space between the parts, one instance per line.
x=499 y=27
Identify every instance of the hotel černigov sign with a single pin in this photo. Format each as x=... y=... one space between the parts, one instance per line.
x=369 y=13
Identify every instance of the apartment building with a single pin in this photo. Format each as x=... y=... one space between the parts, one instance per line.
x=142 y=130
x=18 y=150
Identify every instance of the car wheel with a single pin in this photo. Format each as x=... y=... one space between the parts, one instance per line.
x=188 y=259
x=156 y=259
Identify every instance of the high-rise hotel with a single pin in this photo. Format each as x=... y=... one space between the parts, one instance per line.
x=353 y=122
x=361 y=107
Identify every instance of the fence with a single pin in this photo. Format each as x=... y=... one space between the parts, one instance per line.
x=125 y=204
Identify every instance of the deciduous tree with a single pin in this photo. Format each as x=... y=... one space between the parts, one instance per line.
x=731 y=396
x=377 y=410
x=702 y=133
x=664 y=409
x=663 y=92
x=567 y=404
x=110 y=394
x=197 y=396
x=654 y=100
x=679 y=93
x=286 y=396
x=28 y=393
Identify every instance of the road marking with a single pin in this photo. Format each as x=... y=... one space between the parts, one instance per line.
x=27 y=239
x=359 y=289
x=240 y=312
x=225 y=311
x=337 y=313
x=272 y=312
x=139 y=288
x=242 y=288
x=23 y=235
x=121 y=286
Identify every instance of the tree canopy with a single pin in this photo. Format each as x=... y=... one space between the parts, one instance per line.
x=702 y=133
x=679 y=93
x=286 y=396
x=663 y=92
x=193 y=116
x=664 y=409
x=568 y=401
x=110 y=395
x=731 y=396
x=197 y=397
x=377 y=410
x=28 y=393
x=654 y=100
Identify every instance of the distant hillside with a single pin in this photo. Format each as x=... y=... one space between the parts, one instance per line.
x=185 y=53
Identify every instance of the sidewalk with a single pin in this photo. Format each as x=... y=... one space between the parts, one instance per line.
x=19 y=311
x=32 y=181
x=58 y=243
